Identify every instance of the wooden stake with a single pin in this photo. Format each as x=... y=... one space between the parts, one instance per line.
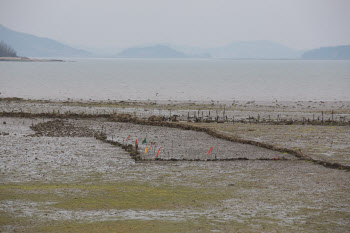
x=332 y=114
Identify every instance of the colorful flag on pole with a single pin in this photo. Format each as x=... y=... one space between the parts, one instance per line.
x=144 y=141
x=127 y=138
x=209 y=150
x=146 y=150
x=158 y=152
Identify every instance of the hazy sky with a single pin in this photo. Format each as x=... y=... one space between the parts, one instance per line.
x=205 y=23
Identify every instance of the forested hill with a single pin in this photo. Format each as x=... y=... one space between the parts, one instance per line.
x=328 y=53
x=32 y=46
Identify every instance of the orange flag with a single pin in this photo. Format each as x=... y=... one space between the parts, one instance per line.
x=209 y=150
x=136 y=143
x=158 y=152
x=127 y=137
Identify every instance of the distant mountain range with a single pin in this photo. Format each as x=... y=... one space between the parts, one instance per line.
x=329 y=53
x=261 y=49
x=236 y=50
x=32 y=46
x=255 y=50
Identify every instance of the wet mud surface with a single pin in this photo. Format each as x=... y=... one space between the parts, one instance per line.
x=61 y=128
x=177 y=143
x=236 y=110
x=28 y=157
x=65 y=176
x=327 y=143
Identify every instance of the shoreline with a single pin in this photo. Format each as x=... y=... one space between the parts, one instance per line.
x=26 y=59
x=306 y=113
x=291 y=105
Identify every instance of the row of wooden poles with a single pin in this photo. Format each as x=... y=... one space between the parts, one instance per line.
x=198 y=116
x=207 y=116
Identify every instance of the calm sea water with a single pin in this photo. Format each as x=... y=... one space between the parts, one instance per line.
x=122 y=79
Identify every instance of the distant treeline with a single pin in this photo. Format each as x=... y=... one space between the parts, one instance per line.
x=6 y=50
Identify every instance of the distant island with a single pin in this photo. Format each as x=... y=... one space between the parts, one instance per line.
x=156 y=51
x=328 y=53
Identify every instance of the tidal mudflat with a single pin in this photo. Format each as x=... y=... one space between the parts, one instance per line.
x=65 y=180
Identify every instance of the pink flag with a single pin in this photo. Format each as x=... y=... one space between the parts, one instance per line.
x=158 y=152
x=152 y=143
x=209 y=150
x=127 y=137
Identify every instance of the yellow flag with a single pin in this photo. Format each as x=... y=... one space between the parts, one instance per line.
x=146 y=150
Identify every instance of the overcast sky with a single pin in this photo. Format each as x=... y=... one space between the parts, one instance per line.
x=300 y=24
